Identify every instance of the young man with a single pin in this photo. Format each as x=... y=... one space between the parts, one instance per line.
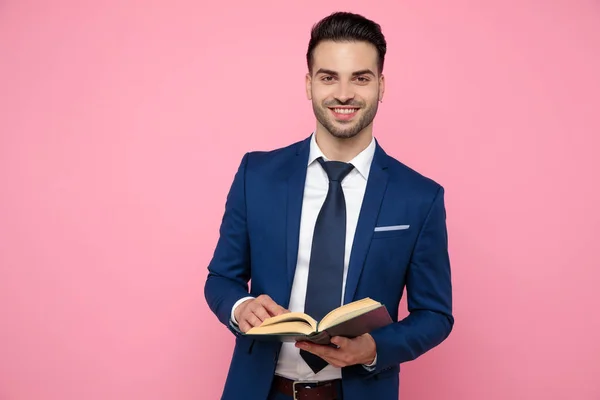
x=326 y=221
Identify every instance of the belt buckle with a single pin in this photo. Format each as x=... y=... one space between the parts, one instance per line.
x=301 y=383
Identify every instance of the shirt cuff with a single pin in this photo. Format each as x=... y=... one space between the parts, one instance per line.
x=237 y=303
x=371 y=367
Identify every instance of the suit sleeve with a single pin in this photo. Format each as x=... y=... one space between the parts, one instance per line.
x=429 y=296
x=229 y=268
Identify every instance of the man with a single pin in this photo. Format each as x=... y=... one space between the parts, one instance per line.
x=326 y=221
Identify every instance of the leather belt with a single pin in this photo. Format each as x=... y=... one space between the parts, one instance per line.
x=307 y=390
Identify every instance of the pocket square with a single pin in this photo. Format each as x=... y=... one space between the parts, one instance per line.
x=391 y=228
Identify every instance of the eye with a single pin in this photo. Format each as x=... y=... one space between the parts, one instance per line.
x=362 y=79
x=327 y=78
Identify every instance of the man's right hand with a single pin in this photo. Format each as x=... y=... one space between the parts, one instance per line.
x=253 y=312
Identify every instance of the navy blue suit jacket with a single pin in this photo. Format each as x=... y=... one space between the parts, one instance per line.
x=259 y=242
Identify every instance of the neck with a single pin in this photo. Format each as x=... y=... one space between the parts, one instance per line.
x=338 y=149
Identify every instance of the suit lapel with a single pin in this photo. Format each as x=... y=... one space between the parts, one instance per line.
x=295 y=193
x=376 y=185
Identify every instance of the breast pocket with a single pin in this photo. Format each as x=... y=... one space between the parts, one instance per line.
x=386 y=231
x=387 y=259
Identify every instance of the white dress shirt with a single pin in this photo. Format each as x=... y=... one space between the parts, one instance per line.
x=290 y=364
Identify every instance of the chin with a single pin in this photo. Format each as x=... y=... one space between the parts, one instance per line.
x=343 y=134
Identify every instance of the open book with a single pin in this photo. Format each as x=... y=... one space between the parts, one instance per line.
x=350 y=320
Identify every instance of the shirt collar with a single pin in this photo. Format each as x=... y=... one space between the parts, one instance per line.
x=362 y=161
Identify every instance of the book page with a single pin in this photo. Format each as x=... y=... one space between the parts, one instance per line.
x=348 y=311
x=291 y=316
x=285 y=327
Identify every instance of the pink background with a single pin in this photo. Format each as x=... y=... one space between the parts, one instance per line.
x=121 y=126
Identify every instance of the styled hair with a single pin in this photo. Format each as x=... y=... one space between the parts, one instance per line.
x=347 y=27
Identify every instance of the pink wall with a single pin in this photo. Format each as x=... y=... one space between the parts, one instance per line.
x=121 y=126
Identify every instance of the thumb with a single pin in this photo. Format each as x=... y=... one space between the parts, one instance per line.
x=340 y=341
x=273 y=308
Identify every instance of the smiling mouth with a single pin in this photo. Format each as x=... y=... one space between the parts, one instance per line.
x=344 y=114
x=344 y=111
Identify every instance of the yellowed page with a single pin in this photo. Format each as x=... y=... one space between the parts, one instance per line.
x=299 y=327
x=348 y=311
x=292 y=316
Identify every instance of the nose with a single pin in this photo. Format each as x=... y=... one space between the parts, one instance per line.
x=344 y=92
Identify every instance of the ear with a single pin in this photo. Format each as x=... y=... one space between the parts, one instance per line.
x=381 y=87
x=308 y=86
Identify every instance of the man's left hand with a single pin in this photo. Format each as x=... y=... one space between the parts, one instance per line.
x=359 y=350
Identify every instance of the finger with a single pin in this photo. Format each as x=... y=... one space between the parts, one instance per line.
x=340 y=341
x=272 y=307
x=253 y=320
x=336 y=357
x=319 y=350
x=244 y=326
x=336 y=363
x=261 y=313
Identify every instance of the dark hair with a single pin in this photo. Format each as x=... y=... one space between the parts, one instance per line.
x=347 y=27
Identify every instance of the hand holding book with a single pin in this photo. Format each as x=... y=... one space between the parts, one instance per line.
x=359 y=350
x=253 y=312
x=350 y=320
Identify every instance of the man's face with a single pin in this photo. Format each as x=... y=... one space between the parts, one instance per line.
x=344 y=87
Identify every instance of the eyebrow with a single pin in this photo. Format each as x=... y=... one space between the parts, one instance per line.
x=330 y=72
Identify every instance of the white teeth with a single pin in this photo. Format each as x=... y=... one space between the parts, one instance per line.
x=345 y=110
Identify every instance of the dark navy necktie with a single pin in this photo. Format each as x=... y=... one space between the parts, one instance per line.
x=326 y=266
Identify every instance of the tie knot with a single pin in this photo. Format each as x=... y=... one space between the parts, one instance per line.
x=336 y=170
